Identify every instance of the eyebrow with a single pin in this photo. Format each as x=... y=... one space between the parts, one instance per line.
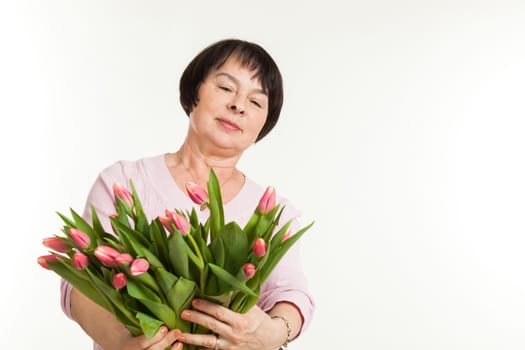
x=231 y=77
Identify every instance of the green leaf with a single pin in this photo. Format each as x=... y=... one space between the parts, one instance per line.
x=215 y=204
x=66 y=220
x=149 y=325
x=165 y=279
x=179 y=298
x=97 y=226
x=249 y=228
x=81 y=282
x=141 y=221
x=132 y=235
x=158 y=236
x=140 y=291
x=114 y=297
x=230 y=279
x=178 y=255
x=83 y=226
x=152 y=302
x=236 y=247
x=278 y=251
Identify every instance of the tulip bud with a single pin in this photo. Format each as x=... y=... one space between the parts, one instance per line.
x=57 y=244
x=80 y=260
x=267 y=201
x=138 y=267
x=259 y=247
x=123 y=259
x=119 y=280
x=180 y=223
x=80 y=238
x=44 y=259
x=106 y=255
x=166 y=222
x=197 y=194
x=120 y=192
x=286 y=235
x=249 y=270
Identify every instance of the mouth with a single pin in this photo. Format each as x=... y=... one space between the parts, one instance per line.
x=228 y=124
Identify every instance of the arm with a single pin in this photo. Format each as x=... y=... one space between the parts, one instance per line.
x=97 y=322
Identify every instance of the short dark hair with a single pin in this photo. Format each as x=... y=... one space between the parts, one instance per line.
x=251 y=56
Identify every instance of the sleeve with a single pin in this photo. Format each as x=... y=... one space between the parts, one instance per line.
x=288 y=283
x=101 y=198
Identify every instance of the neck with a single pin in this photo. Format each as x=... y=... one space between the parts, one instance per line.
x=197 y=165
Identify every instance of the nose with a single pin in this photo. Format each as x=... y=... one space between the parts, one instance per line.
x=236 y=106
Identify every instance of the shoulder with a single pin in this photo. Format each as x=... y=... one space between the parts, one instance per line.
x=134 y=169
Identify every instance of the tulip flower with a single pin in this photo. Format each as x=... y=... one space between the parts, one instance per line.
x=57 y=244
x=180 y=222
x=80 y=260
x=197 y=194
x=166 y=222
x=286 y=235
x=106 y=255
x=259 y=247
x=121 y=192
x=119 y=280
x=123 y=259
x=267 y=201
x=44 y=259
x=249 y=270
x=139 y=267
x=80 y=238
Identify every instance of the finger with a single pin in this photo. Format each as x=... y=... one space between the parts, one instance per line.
x=177 y=346
x=219 y=312
x=144 y=342
x=207 y=341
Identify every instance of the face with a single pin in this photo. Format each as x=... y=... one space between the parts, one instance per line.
x=231 y=109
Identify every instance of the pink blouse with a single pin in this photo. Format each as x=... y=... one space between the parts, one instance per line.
x=158 y=191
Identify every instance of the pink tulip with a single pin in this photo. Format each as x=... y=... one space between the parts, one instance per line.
x=197 y=194
x=121 y=192
x=259 y=247
x=80 y=260
x=123 y=259
x=267 y=201
x=119 y=280
x=80 y=238
x=166 y=222
x=286 y=235
x=138 y=267
x=44 y=259
x=57 y=244
x=180 y=223
x=249 y=270
x=106 y=255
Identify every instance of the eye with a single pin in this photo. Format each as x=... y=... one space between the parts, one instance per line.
x=256 y=103
x=225 y=88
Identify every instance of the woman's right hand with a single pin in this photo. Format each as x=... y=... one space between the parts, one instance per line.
x=161 y=341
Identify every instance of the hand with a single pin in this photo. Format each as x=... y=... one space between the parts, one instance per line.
x=253 y=330
x=161 y=341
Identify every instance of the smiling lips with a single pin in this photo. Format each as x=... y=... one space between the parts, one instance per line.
x=228 y=124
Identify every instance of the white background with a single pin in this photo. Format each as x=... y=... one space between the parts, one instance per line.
x=402 y=135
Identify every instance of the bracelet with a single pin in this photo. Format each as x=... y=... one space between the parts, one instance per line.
x=288 y=330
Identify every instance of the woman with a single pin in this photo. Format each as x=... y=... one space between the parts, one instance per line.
x=232 y=93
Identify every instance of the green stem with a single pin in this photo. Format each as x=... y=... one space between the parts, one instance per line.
x=202 y=281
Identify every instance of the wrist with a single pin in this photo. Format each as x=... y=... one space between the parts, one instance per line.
x=288 y=331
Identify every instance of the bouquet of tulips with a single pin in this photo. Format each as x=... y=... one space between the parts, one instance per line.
x=146 y=272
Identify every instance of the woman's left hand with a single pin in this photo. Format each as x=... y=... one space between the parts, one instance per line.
x=253 y=330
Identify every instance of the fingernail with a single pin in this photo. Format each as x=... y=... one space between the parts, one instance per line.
x=196 y=302
x=178 y=334
x=177 y=346
x=185 y=314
